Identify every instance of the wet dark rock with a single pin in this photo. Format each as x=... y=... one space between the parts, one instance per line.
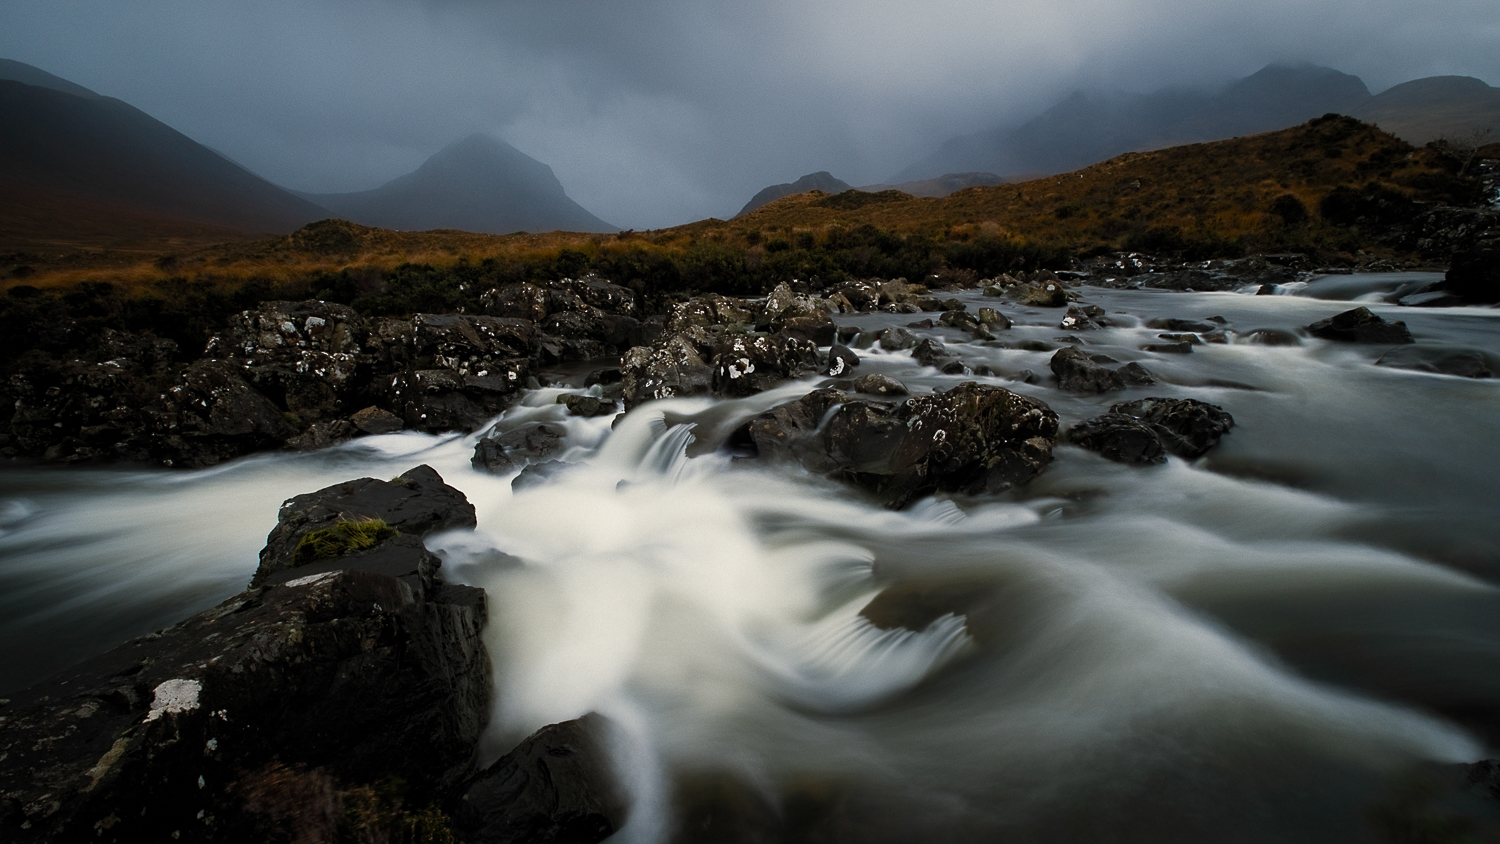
x=841 y=359
x=417 y=502
x=747 y=364
x=1187 y=427
x=438 y=400
x=213 y=415
x=343 y=700
x=323 y=435
x=673 y=366
x=503 y=452
x=957 y=367
x=1271 y=337
x=1121 y=438
x=1191 y=279
x=930 y=352
x=556 y=787
x=1169 y=348
x=921 y=324
x=1360 y=326
x=588 y=406
x=1083 y=318
x=1175 y=324
x=1474 y=274
x=1190 y=339
x=373 y=420
x=972 y=438
x=541 y=474
x=1074 y=371
x=993 y=319
x=876 y=384
x=1040 y=294
x=1466 y=363
x=895 y=339
x=706 y=348
x=1135 y=375
x=962 y=320
x=1146 y=430
x=604 y=377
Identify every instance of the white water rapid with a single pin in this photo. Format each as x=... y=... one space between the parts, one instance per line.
x=1250 y=647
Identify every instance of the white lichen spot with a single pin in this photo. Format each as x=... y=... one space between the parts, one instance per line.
x=211 y=746
x=174 y=696
x=313 y=579
x=202 y=783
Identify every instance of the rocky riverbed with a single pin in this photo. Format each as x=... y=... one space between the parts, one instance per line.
x=859 y=562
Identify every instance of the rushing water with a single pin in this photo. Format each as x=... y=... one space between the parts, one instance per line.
x=1252 y=646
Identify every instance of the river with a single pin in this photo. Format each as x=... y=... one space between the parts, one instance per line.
x=1257 y=645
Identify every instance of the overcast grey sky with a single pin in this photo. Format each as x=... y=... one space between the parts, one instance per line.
x=659 y=113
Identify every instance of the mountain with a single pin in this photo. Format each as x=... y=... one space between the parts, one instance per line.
x=1088 y=127
x=478 y=184
x=74 y=165
x=1425 y=109
x=821 y=180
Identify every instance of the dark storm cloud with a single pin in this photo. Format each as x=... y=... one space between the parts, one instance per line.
x=655 y=113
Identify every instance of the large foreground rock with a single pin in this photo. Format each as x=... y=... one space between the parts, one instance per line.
x=340 y=699
x=970 y=439
x=337 y=702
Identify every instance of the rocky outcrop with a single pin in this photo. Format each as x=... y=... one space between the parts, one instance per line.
x=970 y=439
x=1147 y=430
x=1360 y=325
x=348 y=691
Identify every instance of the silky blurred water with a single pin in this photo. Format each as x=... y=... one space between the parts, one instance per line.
x=1251 y=646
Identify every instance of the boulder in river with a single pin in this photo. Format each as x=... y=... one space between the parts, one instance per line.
x=556 y=787
x=1441 y=360
x=1146 y=430
x=1076 y=371
x=972 y=438
x=1474 y=274
x=344 y=698
x=415 y=503
x=1360 y=325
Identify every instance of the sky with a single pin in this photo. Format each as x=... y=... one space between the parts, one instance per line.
x=654 y=113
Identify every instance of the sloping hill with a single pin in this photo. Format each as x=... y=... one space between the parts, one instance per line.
x=1426 y=109
x=478 y=184
x=1089 y=127
x=62 y=147
x=1265 y=191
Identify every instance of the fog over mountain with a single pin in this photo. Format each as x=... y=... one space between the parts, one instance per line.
x=657 y=113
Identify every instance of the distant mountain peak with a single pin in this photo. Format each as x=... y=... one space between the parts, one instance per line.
x=478 y=183
x=28 y=75
x=821 y=180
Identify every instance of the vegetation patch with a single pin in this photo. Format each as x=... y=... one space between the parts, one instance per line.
x=340 y=539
